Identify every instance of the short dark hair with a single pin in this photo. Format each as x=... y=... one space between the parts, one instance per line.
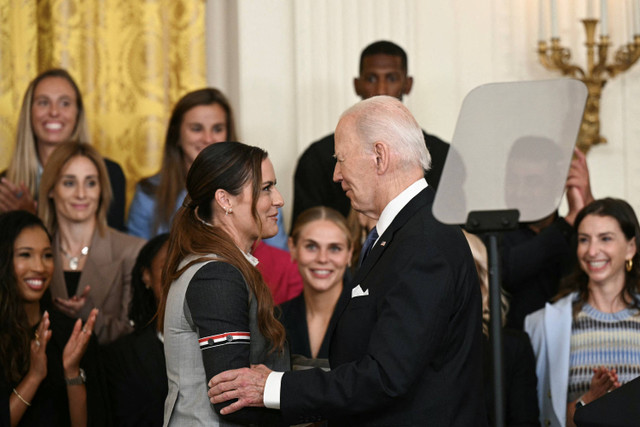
x=384 y=47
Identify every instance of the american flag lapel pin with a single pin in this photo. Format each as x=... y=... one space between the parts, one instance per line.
x=384 y=242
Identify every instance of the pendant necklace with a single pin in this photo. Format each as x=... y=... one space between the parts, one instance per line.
x=74 y=261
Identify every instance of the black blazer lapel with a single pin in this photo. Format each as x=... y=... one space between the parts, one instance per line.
x=422 y=200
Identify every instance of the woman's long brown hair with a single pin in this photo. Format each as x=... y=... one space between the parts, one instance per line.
x=228 y=166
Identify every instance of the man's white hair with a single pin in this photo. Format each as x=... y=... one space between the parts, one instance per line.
x=385 y=118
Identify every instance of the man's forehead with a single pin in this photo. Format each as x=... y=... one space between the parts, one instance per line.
x=345 y=131
x=381 y=63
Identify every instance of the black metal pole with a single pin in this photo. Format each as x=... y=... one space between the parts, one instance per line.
x=495 y=329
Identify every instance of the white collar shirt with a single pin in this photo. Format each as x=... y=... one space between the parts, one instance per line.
x=394 y=207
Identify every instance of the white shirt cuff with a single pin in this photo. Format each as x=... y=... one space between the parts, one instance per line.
x=271 y=397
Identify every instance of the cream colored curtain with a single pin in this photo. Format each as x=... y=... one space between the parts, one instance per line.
x=132 y=60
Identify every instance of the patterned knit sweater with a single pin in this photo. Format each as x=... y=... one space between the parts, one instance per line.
x=598 y=339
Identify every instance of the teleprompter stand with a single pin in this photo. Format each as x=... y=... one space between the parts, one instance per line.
x=508 y=162
x=493 y=224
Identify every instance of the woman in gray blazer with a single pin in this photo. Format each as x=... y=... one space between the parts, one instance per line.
x=93 y=262
x=216 y=309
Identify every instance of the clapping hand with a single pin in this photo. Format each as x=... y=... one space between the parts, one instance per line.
x=15 y=197
x=38 y=357
x=578 y=186
x=72 y=306
x=77 y=344
x=603 y=380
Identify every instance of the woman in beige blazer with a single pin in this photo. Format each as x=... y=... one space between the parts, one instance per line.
x=93 y=262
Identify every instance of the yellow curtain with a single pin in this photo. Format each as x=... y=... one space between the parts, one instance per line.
x=133 y=59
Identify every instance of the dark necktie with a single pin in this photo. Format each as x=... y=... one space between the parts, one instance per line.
x=368 y=244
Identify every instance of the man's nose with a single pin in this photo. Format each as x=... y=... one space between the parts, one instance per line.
x=337 y=173
x=381 y=87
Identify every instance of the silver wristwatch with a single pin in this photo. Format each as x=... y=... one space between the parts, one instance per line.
x=80 y=379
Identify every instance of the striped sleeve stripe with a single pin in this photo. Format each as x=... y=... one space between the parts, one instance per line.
x=224 y=339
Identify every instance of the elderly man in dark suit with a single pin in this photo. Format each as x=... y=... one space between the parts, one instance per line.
x=406 y=348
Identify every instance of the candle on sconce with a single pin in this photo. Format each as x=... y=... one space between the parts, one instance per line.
x=541 y=21
x=590 y=13
x=554 y=20
x=604 y=30
x=631 y=29
x=636 y=17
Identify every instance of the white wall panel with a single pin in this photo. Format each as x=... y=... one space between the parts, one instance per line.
x=289 y=65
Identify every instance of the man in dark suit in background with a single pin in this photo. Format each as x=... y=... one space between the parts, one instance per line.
x=383 y=71
x=406 y=348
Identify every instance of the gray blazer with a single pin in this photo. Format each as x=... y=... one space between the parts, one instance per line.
x=108 y=271
x=187 y=402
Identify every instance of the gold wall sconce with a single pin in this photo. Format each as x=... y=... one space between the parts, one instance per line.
x=598 y=70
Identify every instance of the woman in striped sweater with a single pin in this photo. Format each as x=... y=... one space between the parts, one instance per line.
x=588 y=342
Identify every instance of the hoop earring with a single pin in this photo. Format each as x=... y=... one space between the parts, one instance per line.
x=628 y=264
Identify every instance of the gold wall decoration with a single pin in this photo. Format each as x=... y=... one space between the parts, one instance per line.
x=598 y=69
x=132 y=60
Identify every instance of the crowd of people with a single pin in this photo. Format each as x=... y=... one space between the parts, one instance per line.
x=197 y=308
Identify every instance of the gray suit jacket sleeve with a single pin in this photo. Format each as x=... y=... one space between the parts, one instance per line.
x=218 y=302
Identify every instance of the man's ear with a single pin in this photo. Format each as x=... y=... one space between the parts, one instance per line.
x=408 y=84
x=356 y=86
x=382 y=154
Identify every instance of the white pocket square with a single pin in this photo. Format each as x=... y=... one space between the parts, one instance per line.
x=358 y=292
